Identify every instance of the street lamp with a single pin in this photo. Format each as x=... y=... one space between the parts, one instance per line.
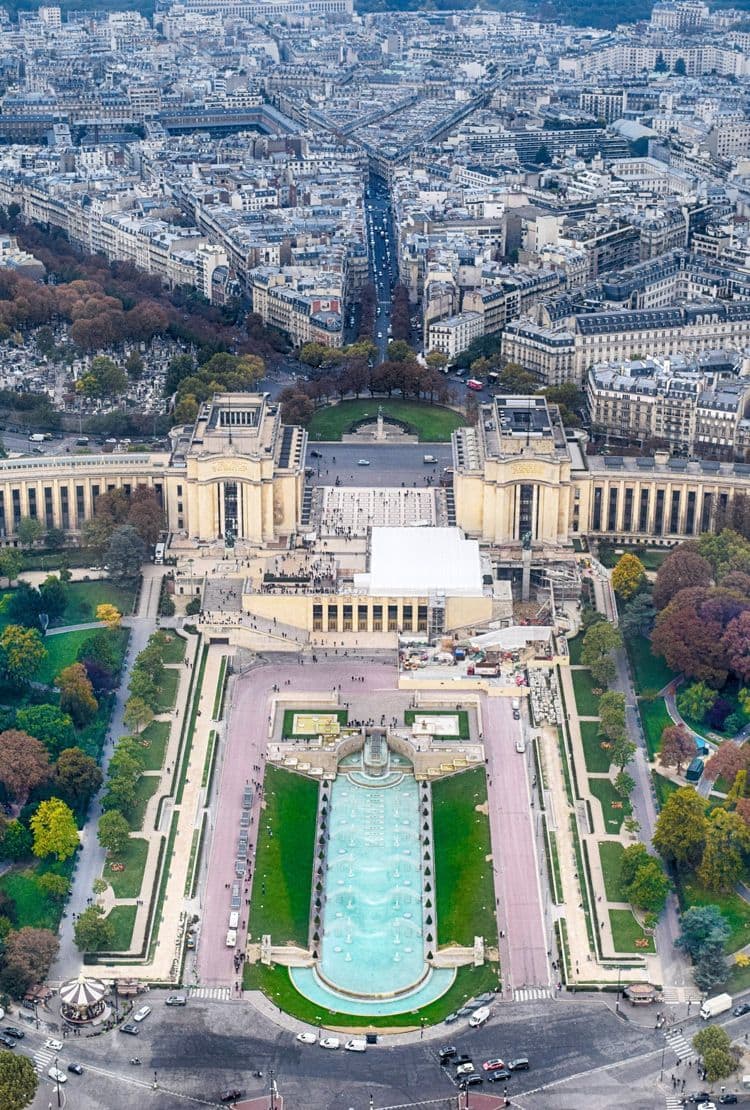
x=57 y=1082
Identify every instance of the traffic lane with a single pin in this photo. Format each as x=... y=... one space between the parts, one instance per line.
x=388 y=465
x=514 y=852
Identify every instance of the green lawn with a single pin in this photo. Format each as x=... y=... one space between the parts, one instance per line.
x=735 y=910
x=465 y=896
x=651 y=557
x=174 y=649
x=127 y=883
x=276 y=984
x=32 y=906
x=167 y=690
x=597 y=758
x=655 y=719
x=123 y=919
x=146 y=787
x=83 y=598
x=290 y=714
x=432 y=423
x=614 y=808
x=157 y=736
x=284 y=860
x=664 y=787
x=463 y=720
x=62 y=650
x=626 y=931
x=650 y=672
x=586 y=700
x=574 y=649
x=610 y=854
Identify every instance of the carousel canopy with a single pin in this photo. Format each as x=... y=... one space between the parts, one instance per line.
x=82 y=992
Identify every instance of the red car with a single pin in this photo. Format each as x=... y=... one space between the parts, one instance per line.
x=493 y=1065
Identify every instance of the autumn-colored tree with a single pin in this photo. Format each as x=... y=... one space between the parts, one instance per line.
x=109 y=615
x=689 y=632
x=628 y=576
x=29 y=953
x=24 y=763
x=76 y=694
x=728 y=761
x=21 y=653
x=681 y=828
x=77 y=777
x=146 y=514
x=137 y=713
x=736 y=643
x=682 y=569
x=677 y=747
x=54 y=828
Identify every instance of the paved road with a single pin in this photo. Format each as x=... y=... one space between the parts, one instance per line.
x=520 y=914
x=390 y=464
x=383 y=271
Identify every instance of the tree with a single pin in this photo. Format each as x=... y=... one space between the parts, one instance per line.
x=679 y=67
x=24 y=763
x=622 y=751
x=55 y=539
x=32 y=950
x=54 y=829
x=146 y=514
x=16 y=841
x=21 y=653
x=103 y=379
x=681 y=828
x=29 y=530
x=125 y=554
x=54 y=596
x=18 y=1081
x=612 y=715
x=696 y=700
x=113 y=832
x=628 y=576
x=137 y=713
x=100 y=647
x=11 y=561
x=689 y=632
x=542 y=156
x=77 y=777
x=711 y=968
x=650 y=887
x=677 y=747
x=48 y=724
x=680 y=570
x=632 y=858
x=702 y=927
x=142 y=686
x=737 y=645
x=637 y=617
x=92 y=931
x=599 y=642
x=624 y=784
x=727 y=838
x=25 y=605
x=727 y=761
x=76 y=694
x=109 y=615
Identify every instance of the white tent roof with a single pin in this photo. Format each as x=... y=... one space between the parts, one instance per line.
x=407 y=562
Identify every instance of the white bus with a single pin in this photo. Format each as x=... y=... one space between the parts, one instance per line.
x=159 y=554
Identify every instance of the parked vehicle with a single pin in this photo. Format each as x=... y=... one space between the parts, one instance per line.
x=719 y=1004
x=330 y=1042
x=465 y=1069
x=128 y=1027
x=521 y=1063
x=306 y=1038
x=356 y=1044
x=176 y=1000
x=142 y=1013
x=479 y=1017
x=12 y=1031
x=444 y=1054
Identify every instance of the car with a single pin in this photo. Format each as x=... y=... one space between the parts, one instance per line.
x=462 y=1059
x=56 y=1046
x=363 y=462
x=521 y=746
x=700 y=1097
x=493 y=1065
x=502 y=1075
x=330 y=1042
x=57 y=1076
x=473 y=1080
x=450 y=1019
x=230 y=1094
x=356 y=1044
x=444 y=1054
x=191 y=941
x=76 y=1069
x=706 y=1106
x=128 y=1027
x=743 y=1008
x=176 y=1000
x=306 y=1038
x=12 y=1031
x=314 y=454
x=465 y=1069
x=7 y=1042
x=728 y=1099
x=516 y=715
x=142 y=1013
x=521 y=1063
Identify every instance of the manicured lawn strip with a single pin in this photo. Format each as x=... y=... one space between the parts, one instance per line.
x=123 y=919
x=284 y=858
x=650 y=672
x=655 y=719
x=275 y=983
x=734 y=909
x=664 y=787
x=610 y=854
x=157 y=735
x=166 y=862
x=208 y=766
x=464 y=889
x=586 y=700
x=145 y=788
x=167 y=690
x=191 y=860
x=597 y=758
x=553 y=861
x=290 y=714
x=432 y=423
x=220 y=685
x=564 y=762
x=127 y=883
x=199 y=853
x=606 y=793
x=583 y=880
x=626 y=931
x=463 y=720
x=83 y=598
x=574 y=649
x=188 y=722
x=33 y=906
x=651 y=557
x=174 y=650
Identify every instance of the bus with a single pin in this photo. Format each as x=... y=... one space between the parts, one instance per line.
x=159 y=554
x=472 y=383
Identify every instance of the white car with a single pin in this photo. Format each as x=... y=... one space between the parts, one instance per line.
x=357 y=1044
x=521 y=746
x=306 y=1038
x=142 y=1014
x=330 y=1042
x=57 y=1076
x=363 y=462
x=56 y=1046
x=465 y=1069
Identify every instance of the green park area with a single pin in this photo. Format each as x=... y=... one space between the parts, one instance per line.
x=651 y=557
x=597 y=757
x=122 y=919
x=282 y=882
x=614 y=807
x=463 y=865
x=32 y=905
x=575 y=646
x=287 y=726
x=84 y=597
x=432 y=423
x=663 y=788
x=167 y=690
x=145 y=788
x=275 y=983
x=627 y=935
x=610 y=857
x=735 y=910
x=655 y=719
x=587 y=702
x=463 y=720
x=62 y=650
x=650 y=673
x=174 y=648
x=154 y=739
x=124 y=870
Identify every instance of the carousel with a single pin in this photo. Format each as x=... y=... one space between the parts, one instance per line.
x=82 y=1000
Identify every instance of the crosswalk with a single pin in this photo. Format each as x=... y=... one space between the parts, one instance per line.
x=216 y=993
x=679 y=1044
x=673 y=1102
x=529 y=994
x=43 y=1059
